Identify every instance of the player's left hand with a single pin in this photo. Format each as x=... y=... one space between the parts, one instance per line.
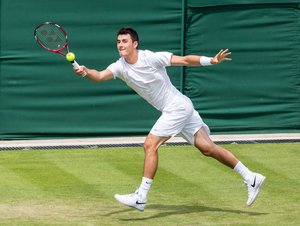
x=221 y=56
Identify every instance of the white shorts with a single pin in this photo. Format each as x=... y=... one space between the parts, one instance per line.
x=179 y=118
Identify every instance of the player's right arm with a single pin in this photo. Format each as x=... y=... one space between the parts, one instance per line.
x=94 y=75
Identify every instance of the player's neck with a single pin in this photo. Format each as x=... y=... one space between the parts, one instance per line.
x=132 y=58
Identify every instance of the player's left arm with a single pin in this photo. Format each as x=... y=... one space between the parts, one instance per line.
x=194 y=60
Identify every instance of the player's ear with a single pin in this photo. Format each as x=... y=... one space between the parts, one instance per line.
x=135 y=44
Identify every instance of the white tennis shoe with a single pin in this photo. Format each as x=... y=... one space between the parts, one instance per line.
x=254 y=187
x=133 y=200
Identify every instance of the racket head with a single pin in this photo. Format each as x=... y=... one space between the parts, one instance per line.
x=51 y=37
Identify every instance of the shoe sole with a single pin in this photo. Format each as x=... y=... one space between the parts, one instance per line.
x=132 y=206
x=259 y=187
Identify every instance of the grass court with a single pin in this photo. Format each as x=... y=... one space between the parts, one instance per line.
x=77 y=187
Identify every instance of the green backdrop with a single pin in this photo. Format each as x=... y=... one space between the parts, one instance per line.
x=258 y=91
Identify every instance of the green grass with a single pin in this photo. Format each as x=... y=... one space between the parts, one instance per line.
x=76 y=187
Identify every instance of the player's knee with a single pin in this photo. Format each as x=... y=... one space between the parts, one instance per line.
x=149 y=148
x=206 y=149
x=206 y=152
x=146 y=146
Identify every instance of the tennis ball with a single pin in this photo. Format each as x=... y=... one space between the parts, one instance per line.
x=70 y=57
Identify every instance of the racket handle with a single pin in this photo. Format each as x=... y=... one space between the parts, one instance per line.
x=76 y=65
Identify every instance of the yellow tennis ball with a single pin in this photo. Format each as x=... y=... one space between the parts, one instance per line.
x=70 y=57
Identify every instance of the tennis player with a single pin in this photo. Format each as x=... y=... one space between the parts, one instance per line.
x=145 y=72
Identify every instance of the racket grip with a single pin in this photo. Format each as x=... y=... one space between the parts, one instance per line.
x=76 y=65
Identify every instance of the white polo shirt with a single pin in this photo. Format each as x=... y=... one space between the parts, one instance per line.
x=148 y=77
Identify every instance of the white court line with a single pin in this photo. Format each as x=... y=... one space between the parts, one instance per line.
x=140 y=140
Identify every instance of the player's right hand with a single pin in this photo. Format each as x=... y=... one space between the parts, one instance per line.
x=81 y=70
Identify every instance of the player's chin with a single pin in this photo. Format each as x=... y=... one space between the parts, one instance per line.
x=122 y=53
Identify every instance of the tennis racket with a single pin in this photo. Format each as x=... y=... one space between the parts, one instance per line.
x=53 y=38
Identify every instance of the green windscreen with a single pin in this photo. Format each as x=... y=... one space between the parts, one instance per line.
x=258 y=91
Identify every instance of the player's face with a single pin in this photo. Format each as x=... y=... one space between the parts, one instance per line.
x=125 y=45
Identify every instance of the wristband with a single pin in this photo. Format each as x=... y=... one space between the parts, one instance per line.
x=205 y=61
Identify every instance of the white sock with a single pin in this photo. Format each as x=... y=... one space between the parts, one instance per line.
x=145 y=187
x=243 y=171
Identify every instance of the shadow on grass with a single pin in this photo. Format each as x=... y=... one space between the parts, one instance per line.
x=168 y=210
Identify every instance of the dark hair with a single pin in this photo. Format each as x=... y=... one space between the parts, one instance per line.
x=128 y=30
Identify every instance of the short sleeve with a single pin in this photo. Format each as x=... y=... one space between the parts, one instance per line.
x=116 y=69
x=161 y=59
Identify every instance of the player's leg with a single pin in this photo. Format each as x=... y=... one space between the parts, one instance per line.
x=253 y=181
x=210 y=149
x=138 y=199
x=151 y=145
x=169 y=124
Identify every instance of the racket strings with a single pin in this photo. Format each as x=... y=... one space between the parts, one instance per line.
x=51 y=37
